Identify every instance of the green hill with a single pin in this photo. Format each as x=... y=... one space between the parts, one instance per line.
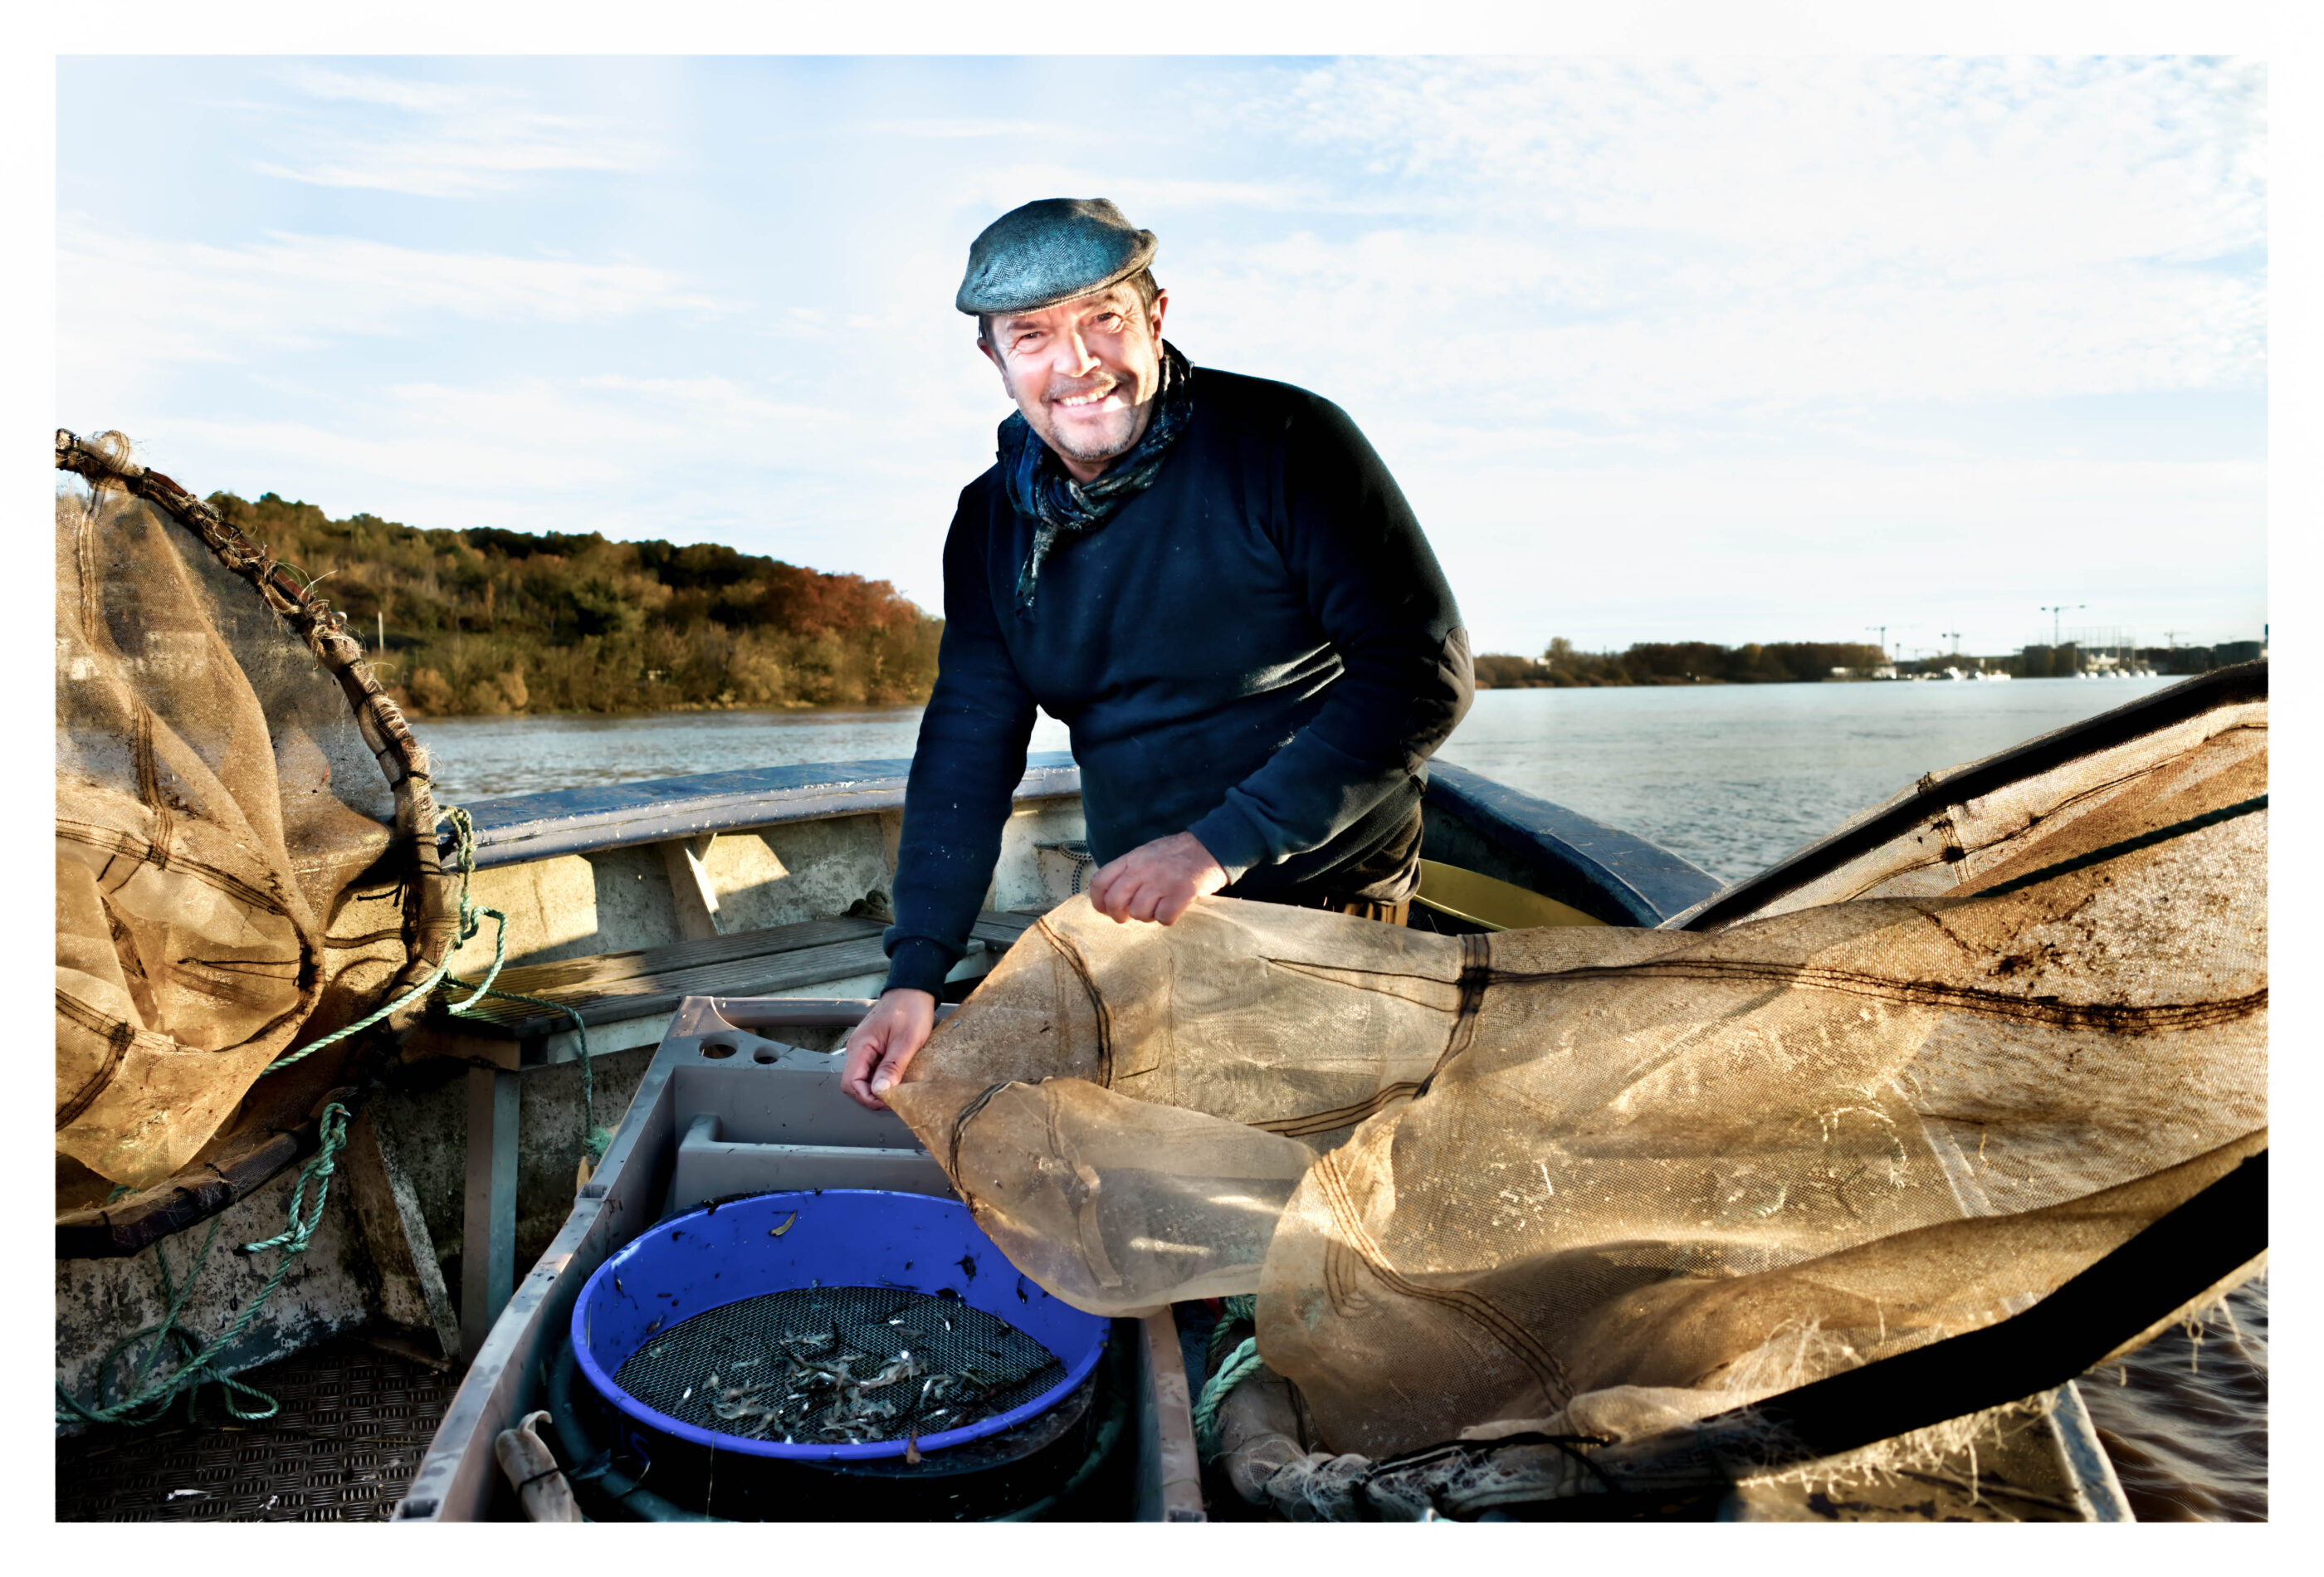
x=490 y=620
x=1675 y=662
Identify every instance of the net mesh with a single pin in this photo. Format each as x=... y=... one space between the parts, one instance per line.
x=1506 y=1176
x=808 y=1365
x=215 y=803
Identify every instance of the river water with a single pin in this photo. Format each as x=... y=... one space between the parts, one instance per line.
x=1731 y=777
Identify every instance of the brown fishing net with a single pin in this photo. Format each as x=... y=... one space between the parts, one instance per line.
x=244 y=846
x=1564 y=1174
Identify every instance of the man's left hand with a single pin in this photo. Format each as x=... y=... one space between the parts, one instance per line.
x=1159 y=881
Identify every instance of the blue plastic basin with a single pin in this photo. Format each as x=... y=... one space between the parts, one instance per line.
x=841 y=1237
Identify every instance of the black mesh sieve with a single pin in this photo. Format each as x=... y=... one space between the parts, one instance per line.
x=972 y=1366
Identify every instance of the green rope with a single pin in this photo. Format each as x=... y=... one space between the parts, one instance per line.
x=594 y=1140
x=1240 y=1364
x=151 y=1399
x=464 y=832
x=1243 y=1309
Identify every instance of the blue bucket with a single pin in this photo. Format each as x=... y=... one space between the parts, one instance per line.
x=836 y=1237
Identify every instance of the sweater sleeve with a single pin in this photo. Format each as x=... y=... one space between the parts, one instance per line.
x=1376 y=590
x=965 y=770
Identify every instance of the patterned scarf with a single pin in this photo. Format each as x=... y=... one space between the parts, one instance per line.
x=1042 y=491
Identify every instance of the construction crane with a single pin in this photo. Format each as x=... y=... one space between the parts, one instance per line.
x=2053 y=610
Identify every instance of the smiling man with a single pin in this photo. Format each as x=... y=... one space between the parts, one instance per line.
x=1210 y=579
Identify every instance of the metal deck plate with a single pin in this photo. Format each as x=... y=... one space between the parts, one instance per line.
x=353 y=1424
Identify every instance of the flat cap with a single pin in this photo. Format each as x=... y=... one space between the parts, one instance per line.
x=1049 y=252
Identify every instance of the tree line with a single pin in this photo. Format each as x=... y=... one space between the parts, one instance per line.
x=1677 y=662
x=493 y=621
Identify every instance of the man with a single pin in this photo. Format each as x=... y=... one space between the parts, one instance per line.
x=1210 y=579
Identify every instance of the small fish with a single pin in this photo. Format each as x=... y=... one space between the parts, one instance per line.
x=903 y=1368
x=778 y=1232
x=688 y=1395
x=619 y=1287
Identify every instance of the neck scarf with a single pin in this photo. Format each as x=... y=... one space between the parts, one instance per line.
x=1046 y=493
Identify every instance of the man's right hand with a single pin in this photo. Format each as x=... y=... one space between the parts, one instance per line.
x=877 y=1048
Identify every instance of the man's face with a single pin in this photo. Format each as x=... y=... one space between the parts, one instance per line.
x=1084 y=372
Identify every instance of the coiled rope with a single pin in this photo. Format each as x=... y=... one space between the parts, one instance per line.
x=149 y=1399
x=1240 y=1364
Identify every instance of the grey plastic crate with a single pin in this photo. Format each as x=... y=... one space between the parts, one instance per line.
x=730 y=1106
x=758 y=1114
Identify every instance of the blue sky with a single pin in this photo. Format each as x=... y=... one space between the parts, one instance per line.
x=1730 y=349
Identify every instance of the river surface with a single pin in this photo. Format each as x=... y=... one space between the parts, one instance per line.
x=1731 y=777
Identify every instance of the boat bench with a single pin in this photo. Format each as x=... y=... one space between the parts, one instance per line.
x=626 y=1000
x=612 y=989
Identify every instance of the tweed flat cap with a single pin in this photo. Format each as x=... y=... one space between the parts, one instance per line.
x=1049 y=252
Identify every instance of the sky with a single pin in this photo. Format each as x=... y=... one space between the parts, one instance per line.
x=1729 y=349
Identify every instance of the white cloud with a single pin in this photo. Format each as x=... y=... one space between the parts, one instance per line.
x=2008 y=162
x=129 y=300
x=949 y=128
x=441 y=139
x=1001 y=187
x=1626 y=239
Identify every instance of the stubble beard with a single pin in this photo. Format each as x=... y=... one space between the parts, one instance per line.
x=1096 y=448
x=1092 y=448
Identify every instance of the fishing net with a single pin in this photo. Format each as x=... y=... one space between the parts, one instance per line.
x=1557 y=1175
x=244 y=854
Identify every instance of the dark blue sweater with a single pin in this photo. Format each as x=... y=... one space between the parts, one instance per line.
x=1260 y=649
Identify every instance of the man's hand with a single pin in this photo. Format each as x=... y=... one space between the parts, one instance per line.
x=877 y=1048
x=1159 y=881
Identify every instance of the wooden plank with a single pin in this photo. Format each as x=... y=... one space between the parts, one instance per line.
x=1170 y=1469
x=488 y=1214
x=1001 y=928
x=412 y=1281
x=545 y=979
x=691 y=891
x=612 y=987
x=639 y=995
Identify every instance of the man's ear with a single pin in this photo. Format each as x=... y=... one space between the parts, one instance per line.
x=1161 y=305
